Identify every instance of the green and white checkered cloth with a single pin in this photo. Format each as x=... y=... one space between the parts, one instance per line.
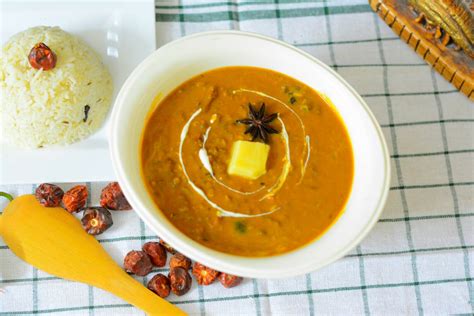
x=418 y=259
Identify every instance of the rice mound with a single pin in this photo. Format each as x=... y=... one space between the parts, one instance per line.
x=41 y=108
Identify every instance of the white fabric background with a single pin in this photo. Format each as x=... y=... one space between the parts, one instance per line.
x=418 y=259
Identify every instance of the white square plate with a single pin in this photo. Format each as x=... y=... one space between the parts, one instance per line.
x=123 y=33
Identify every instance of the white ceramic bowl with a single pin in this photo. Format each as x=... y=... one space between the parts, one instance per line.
x=184 y=58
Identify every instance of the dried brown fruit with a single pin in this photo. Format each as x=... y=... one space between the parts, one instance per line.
x=137 y=262
x=160 y=285
x=75 y=198
x=203 y=274
x=180 y=281
x=41 y=56
x=156 y=252
x=96 y=220
x=113 y=198
x=49 y=195
x=229 y=280
x=180 y=260
x=167 y=247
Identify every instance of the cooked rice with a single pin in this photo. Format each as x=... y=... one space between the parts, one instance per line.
x=41 y=108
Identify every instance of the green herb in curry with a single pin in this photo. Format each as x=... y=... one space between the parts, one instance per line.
x=240 y=227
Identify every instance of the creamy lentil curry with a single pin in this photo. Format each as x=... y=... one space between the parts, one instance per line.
x=187 y=147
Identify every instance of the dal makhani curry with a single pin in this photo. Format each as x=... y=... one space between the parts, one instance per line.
x=247 y=161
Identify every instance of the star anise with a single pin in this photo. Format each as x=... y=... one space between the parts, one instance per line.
x=259 y=123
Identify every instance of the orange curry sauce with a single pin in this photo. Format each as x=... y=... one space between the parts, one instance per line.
x=305 y=203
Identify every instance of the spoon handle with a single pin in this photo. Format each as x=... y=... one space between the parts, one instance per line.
x=54 y=241
x=124 y=286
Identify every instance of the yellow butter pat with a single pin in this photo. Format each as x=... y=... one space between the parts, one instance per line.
x=248 y=159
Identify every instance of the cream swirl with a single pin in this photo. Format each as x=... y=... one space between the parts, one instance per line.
x=203 y=156
x=220 y=211
x=303 y=128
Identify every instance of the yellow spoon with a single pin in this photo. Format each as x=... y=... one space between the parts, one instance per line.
x=54 y=241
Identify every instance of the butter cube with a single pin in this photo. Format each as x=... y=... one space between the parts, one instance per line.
x=248 y=159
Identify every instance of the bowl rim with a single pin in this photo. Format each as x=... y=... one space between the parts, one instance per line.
x=143 y=213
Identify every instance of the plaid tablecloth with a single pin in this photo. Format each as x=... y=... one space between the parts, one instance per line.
x=419 y=258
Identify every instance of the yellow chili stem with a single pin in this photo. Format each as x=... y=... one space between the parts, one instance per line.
x=6 y=195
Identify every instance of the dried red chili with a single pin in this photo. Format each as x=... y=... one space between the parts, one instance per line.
x=96 y=220
x=75 y=198
x=229 y=280
x=160 y=285
x=203 y=274
x=156 y=252
x=137 y=262
x=42 y=57
x=113 y=198
x=49 y=195
x=180 y=260
x=180 y=281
